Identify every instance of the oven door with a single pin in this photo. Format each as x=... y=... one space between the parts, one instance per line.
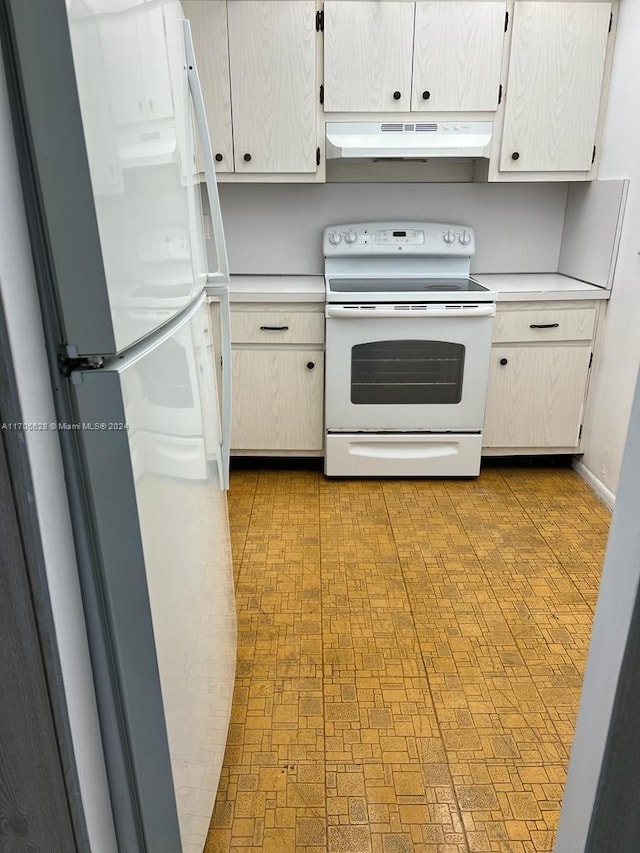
x=407 y=367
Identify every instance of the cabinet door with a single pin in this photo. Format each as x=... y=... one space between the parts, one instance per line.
x=277 y=399
x=553 y=90
x=535 y=397
x=457 y=56
x=210 y=42
x=155 y=65
x=367 y=56
x=119 y=36
x=91 y=78
x=272 y=54
x=135 y=54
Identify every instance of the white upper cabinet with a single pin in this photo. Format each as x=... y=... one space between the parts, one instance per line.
x=457 y=55
x=93 y=93
x=210 y=42
x=138 y=70
x=274 y=92
x=155 y=67
x=261 y=67
x=554 y=86
x=367 y=56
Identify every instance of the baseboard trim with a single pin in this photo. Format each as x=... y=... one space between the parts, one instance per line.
x=607 y=497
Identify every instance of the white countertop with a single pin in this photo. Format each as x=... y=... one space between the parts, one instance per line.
x=510 y=287
x=277 y=288
x=528 y=287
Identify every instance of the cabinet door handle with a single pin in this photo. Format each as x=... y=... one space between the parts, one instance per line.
x=515 y=155
x=426 y=95
x=219 y=158
x=544 y=325
x=311 y=365
x=504 y=361
x=247 y=157
x=396 y=96
x=274 y=328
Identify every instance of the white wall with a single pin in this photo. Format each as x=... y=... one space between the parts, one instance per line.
x=17 y=289
x=607 y=417
x=277 y=228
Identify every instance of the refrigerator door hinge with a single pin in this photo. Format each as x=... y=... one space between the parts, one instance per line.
x=506 y=21
x=499 y=94
x=593 y=156
x=610 y=21
x=69 y=361
x=590 y=360
x=317 y=156
x=322 y=93
x=320 y=21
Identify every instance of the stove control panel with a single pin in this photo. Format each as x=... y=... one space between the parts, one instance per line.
x=383 y=239
x=399 y=237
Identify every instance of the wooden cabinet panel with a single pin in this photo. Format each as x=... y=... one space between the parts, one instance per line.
x=138 y=68
x=272 y=56
x=535 y=397
x=544 y=324
x=155 y=65
x=210 y=42
x=286 y=327
x=367 y=56
x=97 y=122
x=553 y=90
x=277 y=400
x=457 y=56
x=124 y=75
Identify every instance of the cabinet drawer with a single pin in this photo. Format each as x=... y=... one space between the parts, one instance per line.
x=544 y=324
x=277 y=327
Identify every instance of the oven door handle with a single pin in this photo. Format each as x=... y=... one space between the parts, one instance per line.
x=373 y=312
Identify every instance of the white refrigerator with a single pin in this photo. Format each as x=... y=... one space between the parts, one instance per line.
x=106 y=106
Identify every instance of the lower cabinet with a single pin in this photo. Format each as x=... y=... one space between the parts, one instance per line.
x=538 y=377
x=278 y=380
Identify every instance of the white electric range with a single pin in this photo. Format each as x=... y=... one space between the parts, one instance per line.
x=408 y=339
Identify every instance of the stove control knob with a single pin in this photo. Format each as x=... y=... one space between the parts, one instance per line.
x=449 y=237
x=350 y=237
x=464 y=238
x=334 y=238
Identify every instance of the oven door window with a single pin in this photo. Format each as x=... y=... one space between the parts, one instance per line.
x=407 y=372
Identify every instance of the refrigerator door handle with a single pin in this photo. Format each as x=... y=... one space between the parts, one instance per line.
x=221 y=292
x=222 y=273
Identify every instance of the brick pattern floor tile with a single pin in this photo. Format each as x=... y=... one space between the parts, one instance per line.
x=410 y=657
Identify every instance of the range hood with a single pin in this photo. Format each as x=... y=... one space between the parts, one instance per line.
x=408 y=140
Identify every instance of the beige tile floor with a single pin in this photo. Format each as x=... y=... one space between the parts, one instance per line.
x=409 y=661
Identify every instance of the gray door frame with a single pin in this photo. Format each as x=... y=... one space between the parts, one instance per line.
x=39 y=787
x=599 y=810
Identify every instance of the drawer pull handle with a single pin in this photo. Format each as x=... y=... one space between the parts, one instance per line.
x=274 y=328
x=544 y=325
x=504 y=361
x=311 y=365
